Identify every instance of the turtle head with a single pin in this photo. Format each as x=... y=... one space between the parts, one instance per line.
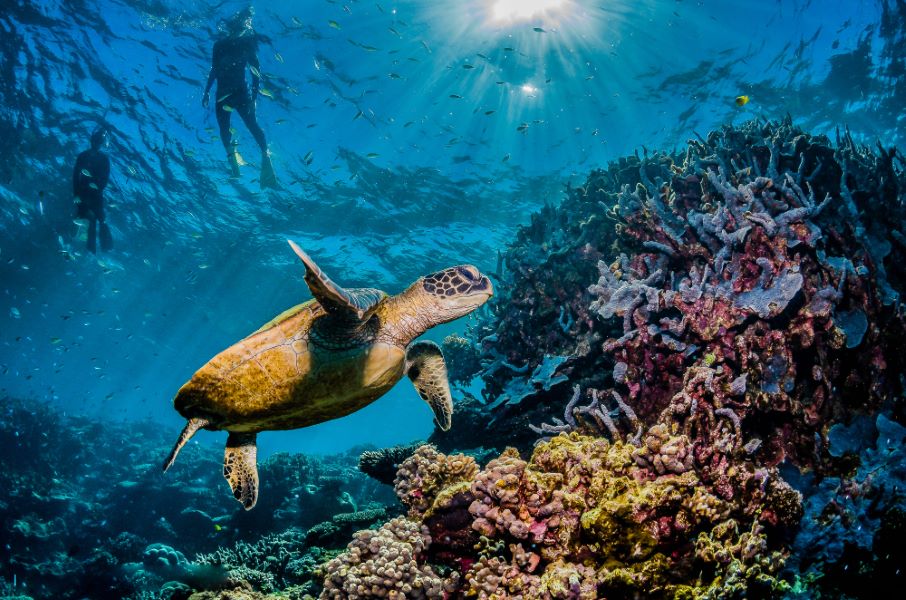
x=434 y=299
x=453 y=292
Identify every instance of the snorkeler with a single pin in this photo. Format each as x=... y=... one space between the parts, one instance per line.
x=231 y=54
x=89 y=178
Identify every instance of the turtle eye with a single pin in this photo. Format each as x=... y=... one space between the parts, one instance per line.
x=469 y=273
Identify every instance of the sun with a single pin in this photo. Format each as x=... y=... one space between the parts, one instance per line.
x=513 y=10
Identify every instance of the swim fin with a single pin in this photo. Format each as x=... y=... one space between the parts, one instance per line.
x=268 y=178
x=106 y=238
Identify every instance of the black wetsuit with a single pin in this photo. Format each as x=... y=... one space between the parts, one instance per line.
x=228 y=65
x=89 y=178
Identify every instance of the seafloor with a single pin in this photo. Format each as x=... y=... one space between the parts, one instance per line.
x=691 y=386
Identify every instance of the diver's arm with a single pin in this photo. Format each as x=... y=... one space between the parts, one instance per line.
x=75 y=177
x=77 y=173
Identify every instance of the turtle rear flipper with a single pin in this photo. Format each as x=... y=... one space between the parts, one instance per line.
x=240 y=467
x=426 y=368
x=187 y=432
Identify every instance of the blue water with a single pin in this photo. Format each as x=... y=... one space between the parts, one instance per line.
x=407 y=137
x=409 y=171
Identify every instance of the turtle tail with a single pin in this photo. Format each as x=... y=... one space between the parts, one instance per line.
x=188 y=431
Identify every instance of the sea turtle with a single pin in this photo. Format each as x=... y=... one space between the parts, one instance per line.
x=324 y=359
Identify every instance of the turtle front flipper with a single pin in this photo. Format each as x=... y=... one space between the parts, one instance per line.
x=240 y=467
x=357 y=303
x=426 y=368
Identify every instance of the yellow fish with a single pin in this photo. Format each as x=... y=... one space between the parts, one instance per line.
x=217 y=527
x=742 y=100
x=334 y=24
x=266 y=92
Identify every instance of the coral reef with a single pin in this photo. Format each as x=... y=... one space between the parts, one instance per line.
x=582 y=518
x=98 y=521
x=756 y=272
x=425 y=479
x=383 y=464
x=384 y=564
x=718 y=314
x=690 y=386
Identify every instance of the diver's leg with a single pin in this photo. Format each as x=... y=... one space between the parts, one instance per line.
x=92 y=235
x=104 y=230
x=268 y=178
x=246 y=110
x=223 y=122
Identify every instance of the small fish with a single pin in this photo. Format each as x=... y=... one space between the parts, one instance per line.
x=741 y=100
x=506 y=157
x=55 y=340
x=425 y=44
x=217 y=527
x=266 y=92
x=394 y=32
x=538 y=29
x=509 y=49
x=394 y=76
x=227 y=108
x=255 y=71
x=278 y=57
x=455 y=96
x=308 y=157
x=468 y=66
x=522 y=128
x=489 y=112
x=334 y=24
x=357 y=115
x=372 y=155
x=14 y=313
x=93 y=185
x=280 y=121
x=297 y=21
x=409 y=123
x=86 y=173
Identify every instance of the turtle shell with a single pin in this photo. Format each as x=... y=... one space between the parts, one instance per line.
x=299 y=369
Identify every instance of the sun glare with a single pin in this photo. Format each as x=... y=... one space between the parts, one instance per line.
x=523 y=9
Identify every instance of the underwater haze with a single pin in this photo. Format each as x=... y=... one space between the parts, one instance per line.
x=688 y=382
